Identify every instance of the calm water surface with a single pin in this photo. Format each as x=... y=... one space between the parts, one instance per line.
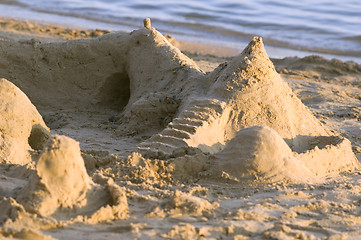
x=300 y=27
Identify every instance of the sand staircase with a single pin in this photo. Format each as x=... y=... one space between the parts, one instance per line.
x=201 y=115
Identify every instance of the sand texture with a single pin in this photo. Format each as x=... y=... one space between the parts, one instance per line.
x=123 y=136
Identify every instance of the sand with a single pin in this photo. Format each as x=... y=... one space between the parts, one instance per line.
x=122 y=136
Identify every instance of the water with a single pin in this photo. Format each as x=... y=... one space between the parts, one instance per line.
x=325 y=27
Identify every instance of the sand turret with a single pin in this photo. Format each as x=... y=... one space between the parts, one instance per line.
x=147 y=23
x=257 y=95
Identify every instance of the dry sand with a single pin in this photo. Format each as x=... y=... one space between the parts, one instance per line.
x=122 y=136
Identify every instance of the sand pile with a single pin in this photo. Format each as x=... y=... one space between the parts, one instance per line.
x=60 y=180
x=261 y=152
x=59 y=184
x=60 y=191
x=21 y=126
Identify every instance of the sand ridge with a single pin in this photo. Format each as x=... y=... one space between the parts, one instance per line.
x=186 y=133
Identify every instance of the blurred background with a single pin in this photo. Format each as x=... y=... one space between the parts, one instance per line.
x=331 y=28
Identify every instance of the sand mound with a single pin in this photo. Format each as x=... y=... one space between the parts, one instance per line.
x=21 y=126
x=61 y=189
x=61 y=179
x=260 y=152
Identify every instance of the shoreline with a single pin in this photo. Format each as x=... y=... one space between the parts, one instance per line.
x=192 y=44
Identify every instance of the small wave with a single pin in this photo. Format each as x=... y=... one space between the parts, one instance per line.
x=10 y=2
x=356 y=38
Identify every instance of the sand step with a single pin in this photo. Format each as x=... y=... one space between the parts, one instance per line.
x=211 y=107
x=201 y=108
x=190 y=129
x=208 y=110
x=198 y=113
x=187 y=121
x=203 y=116
x=177 y=142
x=208 y=103
x=178 y=133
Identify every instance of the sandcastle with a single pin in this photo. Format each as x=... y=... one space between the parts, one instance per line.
x=242 y=119
x=185 y=109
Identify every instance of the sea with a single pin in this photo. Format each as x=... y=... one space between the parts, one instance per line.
x=330 y=28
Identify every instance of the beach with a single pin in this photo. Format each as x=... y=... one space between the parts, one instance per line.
x=139 y=135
